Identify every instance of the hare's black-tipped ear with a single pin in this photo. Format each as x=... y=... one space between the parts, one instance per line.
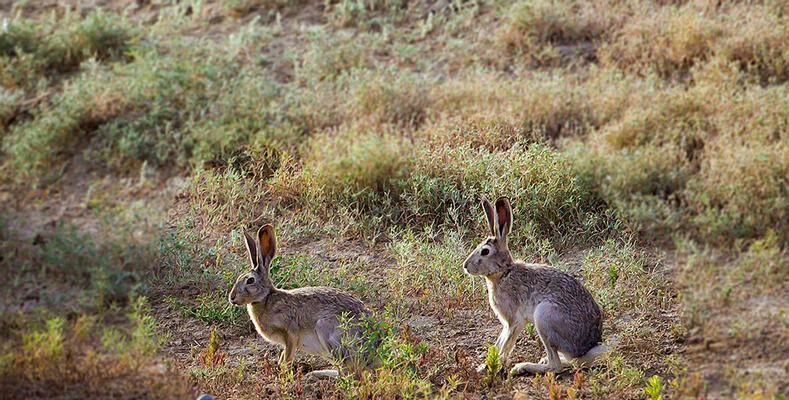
x=489 y=215
x=252 y=250
x=268 y=246
x=503 y=223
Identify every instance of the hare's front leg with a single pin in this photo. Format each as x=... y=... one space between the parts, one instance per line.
x=289 y=352
x=506 y=342
x=513 y=332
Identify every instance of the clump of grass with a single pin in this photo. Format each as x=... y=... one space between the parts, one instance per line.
x=667 y=40
x=754 y=42
x=407 y=365
x=64 y=359
x=532 y=27
x=328 y=56
x=634 y=297
x=107 y=271
x=55 y=131
x=616 y=378
x=447 y=184
x=388 y=97
x=347 y=169
x=739 y=191
x=657 y=163
x=162 y=108
x=224 y=198
x=617 y=275
x=654 y=388
x=213 y=309
x=429 y=273
x=758 y=267
x=676 y=116
x=30 y=49
x=367 y=15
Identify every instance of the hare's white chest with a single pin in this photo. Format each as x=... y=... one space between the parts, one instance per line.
x=269 y=335
x=508 y=307
x=498 y=302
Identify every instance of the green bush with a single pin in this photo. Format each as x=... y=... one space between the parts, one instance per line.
x=446 y=185
x=31 y=48
x=741 y=192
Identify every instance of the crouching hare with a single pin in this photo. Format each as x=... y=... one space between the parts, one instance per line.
x=308 y=318
x=567 y=319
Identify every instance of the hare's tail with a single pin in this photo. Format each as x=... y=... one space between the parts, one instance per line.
x=598 y=352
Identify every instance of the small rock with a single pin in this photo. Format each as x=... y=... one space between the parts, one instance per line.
x=242 y=351
x=421 y=321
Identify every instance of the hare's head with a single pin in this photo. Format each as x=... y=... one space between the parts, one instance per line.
x=254 y=286
x=492 y=256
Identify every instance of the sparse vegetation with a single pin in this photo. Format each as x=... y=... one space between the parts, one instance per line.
x=643 y=146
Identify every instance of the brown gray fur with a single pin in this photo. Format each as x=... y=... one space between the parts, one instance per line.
x=566 y=317
x=306 y=319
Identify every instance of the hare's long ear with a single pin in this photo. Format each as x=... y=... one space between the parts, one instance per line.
x=489 y=215
x=503 y=224
x=268 y=248
x=252 y=250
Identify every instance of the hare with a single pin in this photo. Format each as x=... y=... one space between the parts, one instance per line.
x=305 y=318
x=567 y=319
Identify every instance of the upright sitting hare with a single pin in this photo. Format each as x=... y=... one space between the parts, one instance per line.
x=565 y=315
x=306 y=318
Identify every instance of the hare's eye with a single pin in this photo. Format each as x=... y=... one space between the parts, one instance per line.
x=485 y=251
x=250 y=280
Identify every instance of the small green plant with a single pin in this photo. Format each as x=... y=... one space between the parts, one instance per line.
x=493 y=366
x=46 y=346
x=531 y=330
x=613 y=275
x=654 y=388
x=212 y=356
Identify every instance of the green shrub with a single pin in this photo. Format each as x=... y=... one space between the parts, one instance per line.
x=755 y=42
x=447 y=183
x=667 y=40
x=388 y=96
x=9 y=104
x=329 y=55
x=106 y=270
x=348 y=169
x=30 y=48
x=366 y=14
x=186 y=105
x=741 y=192
x=36 y=146
x=531 y=27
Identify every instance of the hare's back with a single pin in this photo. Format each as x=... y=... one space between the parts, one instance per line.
x=322 y=301
x=561 y=289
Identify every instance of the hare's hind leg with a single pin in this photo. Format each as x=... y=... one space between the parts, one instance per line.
x=330 y=338
x=543 y=322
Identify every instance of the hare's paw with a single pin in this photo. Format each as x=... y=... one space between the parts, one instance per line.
x=481 y=368
x=321 y=374
x=529 y=368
